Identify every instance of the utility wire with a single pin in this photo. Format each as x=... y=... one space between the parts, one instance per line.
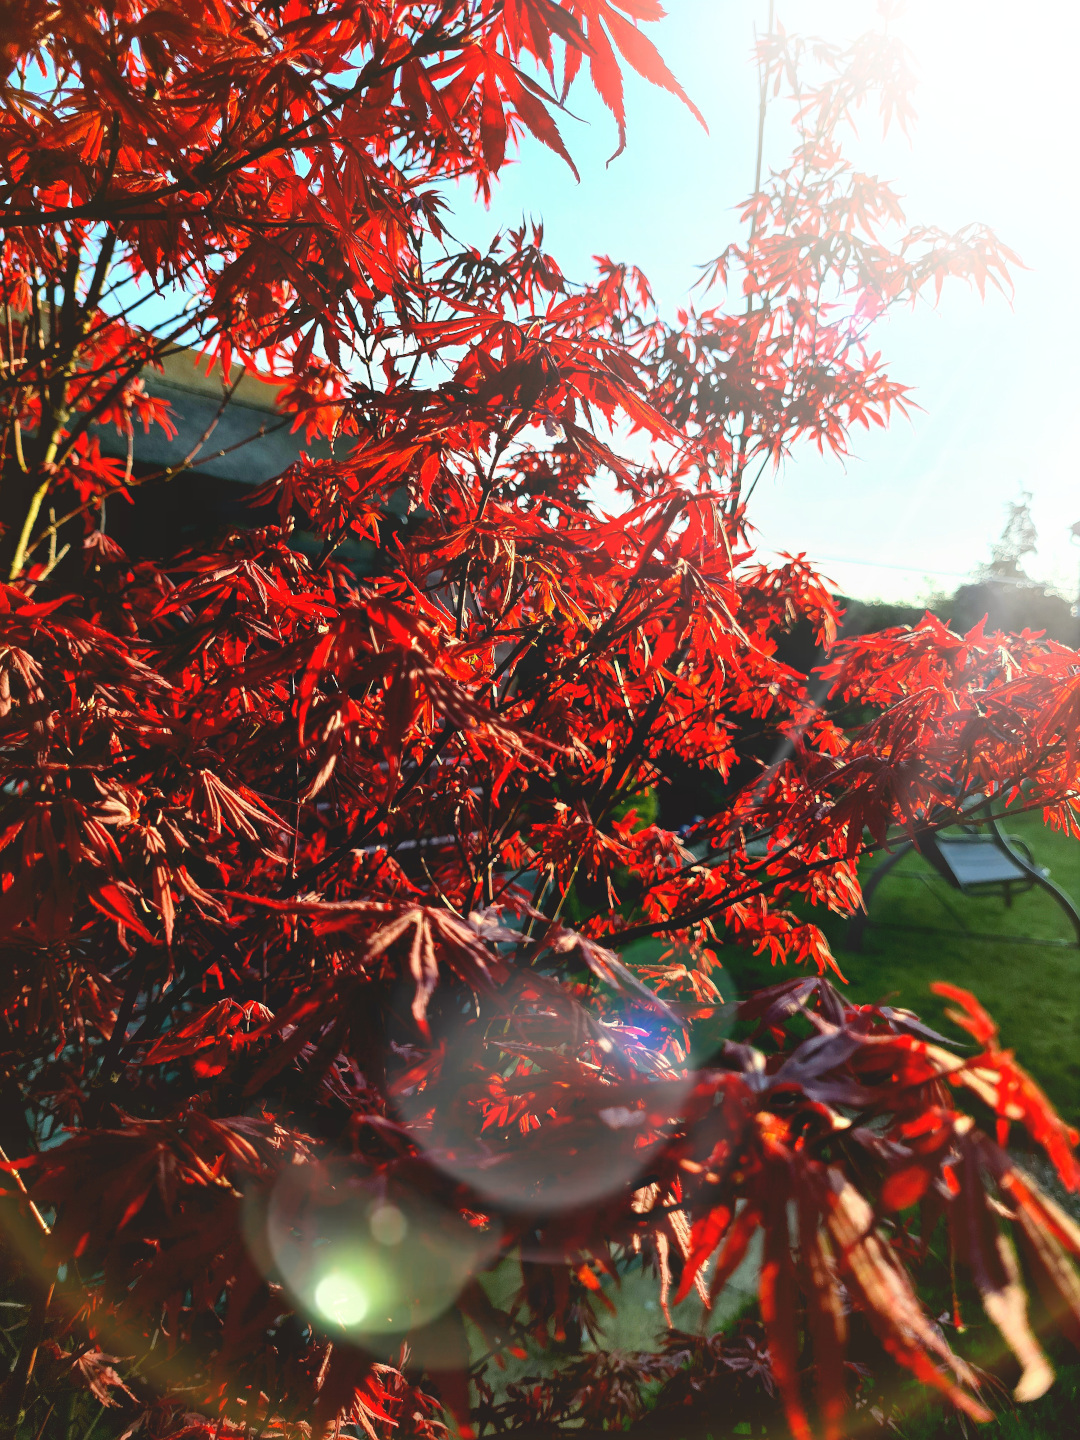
x=921 y=570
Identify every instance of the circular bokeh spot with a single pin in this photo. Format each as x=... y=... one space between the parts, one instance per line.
x=388 y=1225
x=340 y=1297
x=354 y=1259
x=545 y=1108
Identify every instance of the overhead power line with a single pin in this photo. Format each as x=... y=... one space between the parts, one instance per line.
x=916 y=569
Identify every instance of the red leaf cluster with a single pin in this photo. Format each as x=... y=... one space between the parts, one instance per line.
x=320 y=879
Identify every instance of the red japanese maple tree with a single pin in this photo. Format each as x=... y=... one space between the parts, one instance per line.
x=317 y=885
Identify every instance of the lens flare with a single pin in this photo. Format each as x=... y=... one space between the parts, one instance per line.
x=388 y=1225
x=352 y=1257
x=496 y=1108
x=340 y=1298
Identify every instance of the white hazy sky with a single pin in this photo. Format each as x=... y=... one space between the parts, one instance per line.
x=997 y=141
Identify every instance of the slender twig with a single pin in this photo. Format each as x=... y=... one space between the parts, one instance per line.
x=39 y=1219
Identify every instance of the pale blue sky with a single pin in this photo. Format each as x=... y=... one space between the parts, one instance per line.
x=996 y=141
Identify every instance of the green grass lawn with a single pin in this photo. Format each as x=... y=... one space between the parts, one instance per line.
x=1033 y=991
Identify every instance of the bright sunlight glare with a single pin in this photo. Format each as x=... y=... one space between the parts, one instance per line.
x=995 y=141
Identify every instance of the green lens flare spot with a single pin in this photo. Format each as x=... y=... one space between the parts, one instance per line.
x=339 y=1297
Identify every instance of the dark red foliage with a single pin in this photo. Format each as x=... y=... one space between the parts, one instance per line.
x=319 y=887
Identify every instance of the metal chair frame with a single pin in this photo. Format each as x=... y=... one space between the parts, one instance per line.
x=1023 y=872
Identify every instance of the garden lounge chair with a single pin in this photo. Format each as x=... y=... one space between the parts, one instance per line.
x=979 y=861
